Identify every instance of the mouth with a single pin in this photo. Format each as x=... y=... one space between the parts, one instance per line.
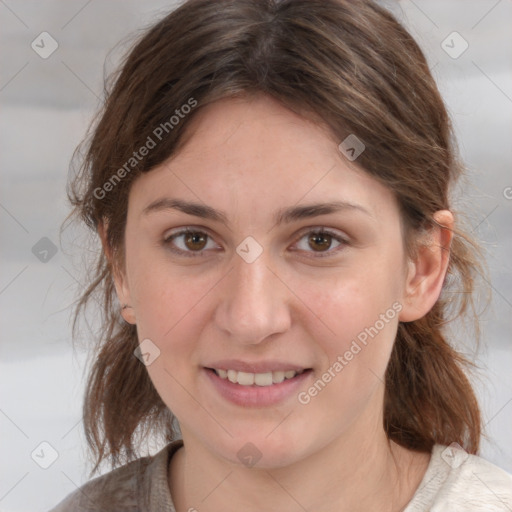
x=256 y=389
x=256 y=379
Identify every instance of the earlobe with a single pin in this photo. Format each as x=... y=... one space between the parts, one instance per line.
x=120 y=281
x=427 y=272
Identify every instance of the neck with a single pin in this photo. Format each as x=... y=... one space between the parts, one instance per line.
x=361 y=470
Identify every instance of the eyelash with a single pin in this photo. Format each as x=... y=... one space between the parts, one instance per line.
x=194 y=254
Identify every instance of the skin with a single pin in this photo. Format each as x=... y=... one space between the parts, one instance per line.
x=250 y=157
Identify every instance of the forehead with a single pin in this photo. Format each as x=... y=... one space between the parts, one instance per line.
x=234 y=126
x=254 y=152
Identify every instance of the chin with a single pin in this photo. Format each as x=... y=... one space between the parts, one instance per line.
x=261 y=451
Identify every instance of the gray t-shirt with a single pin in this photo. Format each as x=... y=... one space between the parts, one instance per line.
x=454 y=482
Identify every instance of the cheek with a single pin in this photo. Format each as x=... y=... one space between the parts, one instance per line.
x=168 y=304
x=346 y=305
x=364 y=320
x=354 y=326
x=170 y=312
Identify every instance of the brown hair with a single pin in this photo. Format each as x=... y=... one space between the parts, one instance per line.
x=349 y=65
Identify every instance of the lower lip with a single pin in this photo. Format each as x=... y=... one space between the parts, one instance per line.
x=257 y=396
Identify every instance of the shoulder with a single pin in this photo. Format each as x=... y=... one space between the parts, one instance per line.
x=139 y=485
x=456 y=481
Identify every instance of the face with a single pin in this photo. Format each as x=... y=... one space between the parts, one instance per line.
x=264 y=286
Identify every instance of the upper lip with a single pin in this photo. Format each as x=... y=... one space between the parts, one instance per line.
x=255 y=366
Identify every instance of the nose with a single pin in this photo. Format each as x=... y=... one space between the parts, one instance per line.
x=254 y=302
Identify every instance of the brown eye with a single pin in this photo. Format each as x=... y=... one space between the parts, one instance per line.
x=320 y=241
x=195 y=240
x=189 y=242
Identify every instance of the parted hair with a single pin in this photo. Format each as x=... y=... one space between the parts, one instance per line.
x=348 y=65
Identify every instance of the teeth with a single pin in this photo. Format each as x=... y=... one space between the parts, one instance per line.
x=259 y=379
x=277 y=377
x=245 y=379
x=263 y=379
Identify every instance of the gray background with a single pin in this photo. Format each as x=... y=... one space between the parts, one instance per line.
x=46 y=105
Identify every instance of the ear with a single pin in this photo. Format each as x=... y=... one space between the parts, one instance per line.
x=427 y=271
x=118 y=274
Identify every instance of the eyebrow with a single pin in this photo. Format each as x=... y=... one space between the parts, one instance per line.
x=283 y=215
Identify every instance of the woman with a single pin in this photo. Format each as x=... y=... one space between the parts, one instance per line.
x=270 y=182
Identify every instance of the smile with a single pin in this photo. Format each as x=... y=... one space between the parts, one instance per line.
x=256 y=389
x=256 y=379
